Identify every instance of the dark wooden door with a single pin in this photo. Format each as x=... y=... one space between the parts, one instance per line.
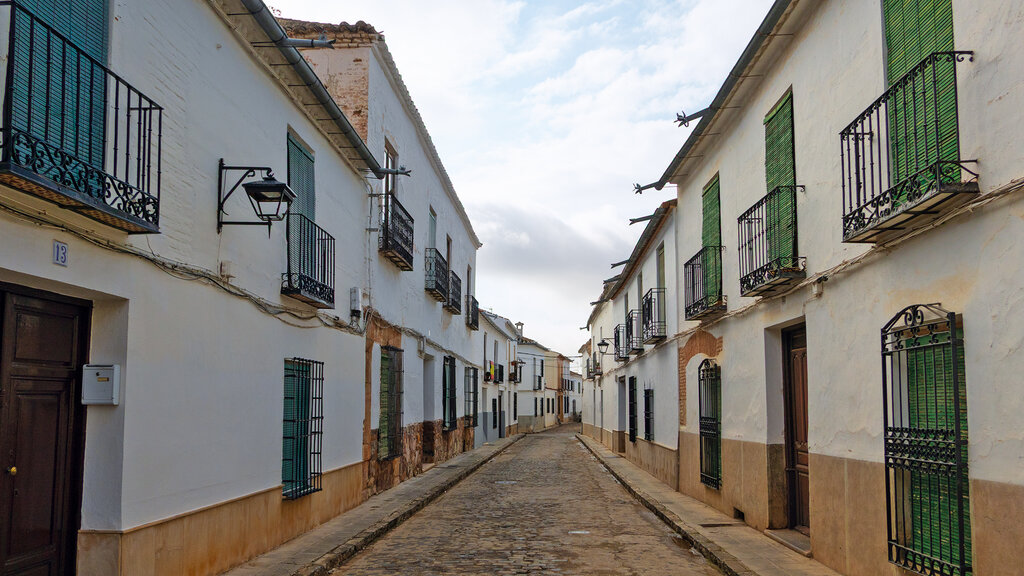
x=42 y=347
x=501 y=414
x=796 y=430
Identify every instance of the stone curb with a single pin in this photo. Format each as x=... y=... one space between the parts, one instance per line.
x=323 y=565
x=714 y=553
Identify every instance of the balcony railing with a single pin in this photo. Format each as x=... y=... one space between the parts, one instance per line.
x=454 y=304
x=310 y=275
x=538 y=383
x=769 y=259
x=74 y=133
x=634 y=332
x=501 y=374
x=702 y=276
x=472 y=313
x=396 y=233
x=436 y=283
x=653 y=311
x=621 y=346
x=901 y=161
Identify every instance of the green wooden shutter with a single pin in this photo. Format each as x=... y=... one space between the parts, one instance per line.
x=301 y=179
x=780 y=170
x=295 y=448
x=711 y=235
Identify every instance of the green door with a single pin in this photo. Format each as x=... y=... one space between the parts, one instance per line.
x=711 y=236
x=780 y=170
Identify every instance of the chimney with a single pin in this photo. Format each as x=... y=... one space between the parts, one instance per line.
x=519 y=326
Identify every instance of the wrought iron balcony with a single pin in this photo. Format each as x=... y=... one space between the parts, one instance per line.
x=702 y=277
x=900 y=158
x=501 y=374
x=634 y=332
x=597 y=365
x=396 y=233
x=310 y=275
x=621 y=346
x=436 y=274
x=653 y=315
x=454 y=304
x=76 y=134
x=769 y=260
x=472 y=313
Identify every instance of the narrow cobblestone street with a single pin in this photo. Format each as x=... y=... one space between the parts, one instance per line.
x=544 y=506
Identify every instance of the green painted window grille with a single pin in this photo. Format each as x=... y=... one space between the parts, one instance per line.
x=711 y=239
x=632 y=409
x=648 y=414
x=450 y=416
x=709 y=398
x=780 y=171
x=303 y=427
x=472 y=385
x=389 y=431
x=926 y=442
x=301 y=179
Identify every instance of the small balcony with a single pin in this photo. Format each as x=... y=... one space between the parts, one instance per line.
x=74 y=132
x=653 y=316
x=634 y=332
x=702 y=277
x=310 y=275
x=472 y=313
x=396 y=234
x=436 y=275
x=500 y=377
x=769 y=260
x=454 y=304
x=621 y=348
x=901 y=162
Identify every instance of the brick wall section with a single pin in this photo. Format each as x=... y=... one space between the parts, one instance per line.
x=701 y=342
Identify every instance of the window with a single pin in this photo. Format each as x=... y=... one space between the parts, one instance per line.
x=535 y=407
x=780 y=170
x=301 y=178
x=711 y=240
x=303 y=421
x=649 y=414
x=389 y=433
x=472 y=395
x=432 y=231
x=451 y=419
x=566 y=409
x=632 y=408
x=709 y=398
x=390 y=163
x=494 y=413
x=515 y=406
x=925 y=416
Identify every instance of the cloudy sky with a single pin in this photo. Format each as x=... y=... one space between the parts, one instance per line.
x=544 y=113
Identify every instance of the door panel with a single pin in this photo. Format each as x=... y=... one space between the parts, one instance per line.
x=796 y=430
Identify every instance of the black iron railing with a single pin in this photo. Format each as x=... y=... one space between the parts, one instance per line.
x=472 y=313
x=702 y=278
x=75 y=133
x=621 y=343
x=652 y=308
x=769 y=258
x=310 y=275
x=389 y=430
x=709 y=397
x=632 y=409
x=396 y=233
x=597 y=365
x=900 y=158
x=634 y=332
x=436 y=275
x=454 y=303
x=925 y=418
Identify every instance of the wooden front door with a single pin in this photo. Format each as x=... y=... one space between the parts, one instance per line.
x=42 y=348
x=796 y=429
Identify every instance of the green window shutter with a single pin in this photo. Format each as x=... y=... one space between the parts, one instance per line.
x=780 y=170
x=301 y=179
x=295 y=462
x=711 y=235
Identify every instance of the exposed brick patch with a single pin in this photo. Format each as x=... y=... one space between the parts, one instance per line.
x=700 y=342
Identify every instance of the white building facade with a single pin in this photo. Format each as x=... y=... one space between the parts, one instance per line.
x=498 y=395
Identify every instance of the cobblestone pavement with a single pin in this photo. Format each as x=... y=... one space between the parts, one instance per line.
x=544 y=506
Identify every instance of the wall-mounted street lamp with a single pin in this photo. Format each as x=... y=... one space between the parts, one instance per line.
x=603 y=346
x=269 y=197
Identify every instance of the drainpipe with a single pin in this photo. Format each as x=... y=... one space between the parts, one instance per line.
x=258 y=10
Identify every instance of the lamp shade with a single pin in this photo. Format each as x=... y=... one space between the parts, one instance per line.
x=270 y=198
x=603 y=346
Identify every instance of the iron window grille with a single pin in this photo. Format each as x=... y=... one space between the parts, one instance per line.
x=303 y=427
x=310 y=275
x=501 y=373
x=648 y=414
x=769 y=260
x=709 y=390
x=454 y=304
x=389 y=430
x=472 y=313
x=450 y=416
x=515 y=406
x=632 y=409
x=925 y=418
x=702 y=277
x=653 y=315
x=534 y=407
x=634 y=332
x=74 y=132
x=436 y=274
x=619 y=340
x=494 y=413
x=900 y=158
x=396 y=238
x=539 y=385
x=472 y=385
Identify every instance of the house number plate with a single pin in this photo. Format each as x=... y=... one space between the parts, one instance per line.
x=60 y=253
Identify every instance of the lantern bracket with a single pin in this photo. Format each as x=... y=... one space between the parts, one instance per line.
x=267 y=219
